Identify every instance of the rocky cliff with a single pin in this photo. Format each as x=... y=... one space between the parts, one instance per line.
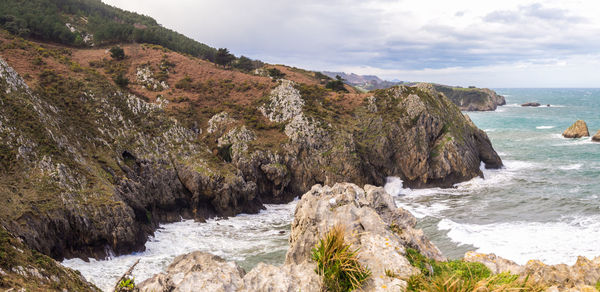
x=472 y=99
x=89 y=167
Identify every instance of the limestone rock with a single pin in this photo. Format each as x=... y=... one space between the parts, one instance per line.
x=469 y=99
x=285 y=102
x=218 y=123
x=531 y=104
x=196 y=271
x=287 y=278
x=577 y=130
x=371 y=222
x=596 y=137
x=584 y=274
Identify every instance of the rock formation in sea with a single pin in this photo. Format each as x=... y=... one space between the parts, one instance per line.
x=577 y=130
x=596 y=137
x=371 y=222
x=531 y=104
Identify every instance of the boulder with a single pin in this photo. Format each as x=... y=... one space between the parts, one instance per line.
x=534 y=104
x=577 y=130
x=196 y=271
x=582 y=276
x=596 y=137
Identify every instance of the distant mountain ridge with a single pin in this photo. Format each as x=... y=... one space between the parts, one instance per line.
x=364 y=82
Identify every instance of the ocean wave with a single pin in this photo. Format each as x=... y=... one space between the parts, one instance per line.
x=237 y=238
x=571 y=166
x=573 y=141
x=551 y=242
x=544 y=127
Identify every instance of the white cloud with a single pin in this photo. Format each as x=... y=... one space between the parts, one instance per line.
x=407 y=39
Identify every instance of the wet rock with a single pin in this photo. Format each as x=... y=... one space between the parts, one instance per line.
x=531 y=104
x=577 y=130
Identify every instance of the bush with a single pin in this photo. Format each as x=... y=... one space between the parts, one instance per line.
x=337 y=263
x=275 y=73
x=117 y=53
x=336 y=85
x=121 y=80
x=126 y=285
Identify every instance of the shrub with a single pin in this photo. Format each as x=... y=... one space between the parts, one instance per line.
x=337 y=263
x=121 y=80
x=336 y=85
x=275 y=73
x=117 y=53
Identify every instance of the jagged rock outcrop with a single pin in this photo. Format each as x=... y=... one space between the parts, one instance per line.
x=371 y=222
x=596 y=137
x=582 y=276
x=470 y=99
x=577 y=130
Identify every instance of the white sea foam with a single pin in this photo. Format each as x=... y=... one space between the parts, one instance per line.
x=393 y=185
x=552 y=242
x=544 y=127
x=571 y=166
x=573 y=141
x=236 y=238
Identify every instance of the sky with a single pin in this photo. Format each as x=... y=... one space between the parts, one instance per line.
x=509 y=43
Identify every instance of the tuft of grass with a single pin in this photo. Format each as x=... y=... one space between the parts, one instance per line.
x=126 y=285
x=337 y=262
x=460 y=276
x=598 y=285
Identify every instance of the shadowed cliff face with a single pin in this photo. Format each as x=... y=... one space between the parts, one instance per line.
x=89 y=168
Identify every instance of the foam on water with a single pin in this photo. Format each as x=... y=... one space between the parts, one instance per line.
x=243 y=238
x=550 y=242
x=544 y=127
x=571 y=166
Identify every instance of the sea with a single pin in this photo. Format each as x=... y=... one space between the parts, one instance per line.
x=544 y=204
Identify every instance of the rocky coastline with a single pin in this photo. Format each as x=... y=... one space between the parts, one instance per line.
x=108 y=181
x=386 y=239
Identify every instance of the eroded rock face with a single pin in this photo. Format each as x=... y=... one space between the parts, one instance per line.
x=577 y=130
x=582 y=276
x=371 y=221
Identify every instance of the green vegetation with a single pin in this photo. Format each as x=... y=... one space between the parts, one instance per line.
x=337 y=263
x=223 y=57
x=461 y=276
x=275 y=73
x=117 y=53
x=337 y=84
x=246 y=64
x=126 y=285
x=46 y=20
x=121 y=80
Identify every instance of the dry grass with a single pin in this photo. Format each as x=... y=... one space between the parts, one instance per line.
x=338 y=263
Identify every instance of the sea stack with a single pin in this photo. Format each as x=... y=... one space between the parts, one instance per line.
x=577 y=130
x=596 y=137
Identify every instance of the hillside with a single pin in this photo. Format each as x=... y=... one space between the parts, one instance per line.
x=86 y=23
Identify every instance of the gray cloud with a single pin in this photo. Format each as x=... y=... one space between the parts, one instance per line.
x=384 y=34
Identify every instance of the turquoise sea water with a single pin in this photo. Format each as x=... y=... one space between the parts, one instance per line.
x=545 y=204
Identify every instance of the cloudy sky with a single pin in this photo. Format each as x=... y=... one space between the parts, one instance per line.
x=509 y=43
